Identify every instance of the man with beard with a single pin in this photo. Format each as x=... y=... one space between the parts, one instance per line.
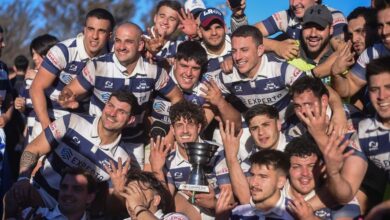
x=267 y=176
x=290 y=23
x=78 y=141
x=77 y=191
x=348 y=83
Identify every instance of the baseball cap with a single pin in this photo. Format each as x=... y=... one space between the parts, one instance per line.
x=194 y=6
x=210 y=14
x=318 y=14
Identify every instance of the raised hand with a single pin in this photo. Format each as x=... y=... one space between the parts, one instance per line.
x=135 y=198
x=188 y=24
x=287 y=49
x=237 y=11
x=20 y=103
x=231 y=142
x=301 y=209
x=211 y=93
x=158 y=153
x=154 y=42
x=345 y=59
x=118 y=174
x=224 y=204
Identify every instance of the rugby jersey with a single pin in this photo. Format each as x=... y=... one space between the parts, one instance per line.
x=64 y=60
x=75 y=142
x=214 y=60
x=105 y=74
x=286 y=22
x=269 y=86
x=161 y=105
x=5 y=85
x=179 y=169
x=369 y=54
x=249 y=211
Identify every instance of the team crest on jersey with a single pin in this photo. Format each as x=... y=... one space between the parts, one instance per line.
x=142 y=86
x=73 y=68
x=373 y=146
x=238 y=88
x=271 y=86
x=108 y=85
x=75 y=140
x=66 y=154
x=178 y=175
x=105 y=96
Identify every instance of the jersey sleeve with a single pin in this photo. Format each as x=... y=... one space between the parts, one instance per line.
x=56 y=59
x=221 y=170
x=57 y=130
x=290 y=73
x=164 y=83
x=359 y=68
x=277 y=22
x=87 y=78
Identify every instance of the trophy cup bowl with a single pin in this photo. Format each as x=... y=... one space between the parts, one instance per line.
x=199 y=154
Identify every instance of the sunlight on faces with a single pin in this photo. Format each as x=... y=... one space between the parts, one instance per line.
x=265 y=131
x=246 y=55
x=73 y=194
x=166 y=21
x=304 y=173
x=379 y=92
x=116 y=115
x=299 y=6
x=96 y=34
x=315 y=37
x=384 y=26
x=265 y=182
x=307 y=99
x=214 y=35
x=186 y=73
x=128 y=44
x=357 y=34
x=38 y=59
x=186 y=131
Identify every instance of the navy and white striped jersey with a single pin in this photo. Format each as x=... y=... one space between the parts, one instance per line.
x=179 y=169
x=214 y=60
x=286 y=22
x=75 y=142
x=374 y=140
x=369 y=54
x=269 y=86
x=161 y=105
x=65 y=60
x=249 y=211
x=105 y=74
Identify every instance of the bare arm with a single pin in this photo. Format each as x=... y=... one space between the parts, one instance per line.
x=38 y=147
x=238 y=180
x=42 y=81
x=69 y=94
x=175 y=95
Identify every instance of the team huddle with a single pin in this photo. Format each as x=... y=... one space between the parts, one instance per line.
x=300 y=122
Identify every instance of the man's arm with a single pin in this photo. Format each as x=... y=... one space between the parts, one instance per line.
x=339 y=121
x=231 y=144
x=42 y=81
x=69 y=94
x=38 y=147
x=175 y=95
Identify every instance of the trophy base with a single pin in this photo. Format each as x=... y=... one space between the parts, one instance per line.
x=194 y=188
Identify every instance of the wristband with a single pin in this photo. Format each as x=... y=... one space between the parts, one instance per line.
x=23 y=178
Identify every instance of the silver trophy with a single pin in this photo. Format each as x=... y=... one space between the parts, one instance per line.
x=199 y=154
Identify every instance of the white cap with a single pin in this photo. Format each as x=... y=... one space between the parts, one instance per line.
x=194 y=6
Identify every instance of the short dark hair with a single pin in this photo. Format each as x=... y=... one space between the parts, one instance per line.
x=149 y=180
x=378 y=66
x=313 y=84
x=175 y=5
x=269 y=157
x=192 y=50
x=188 y=111
x=92 y=182
x=302 y=146
x=124 y=95
x=261 y=109
x=249 y=31
x=381 y=4
x=368 y=14
x=42 y=44
x=101 y=13
x=21 y=63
